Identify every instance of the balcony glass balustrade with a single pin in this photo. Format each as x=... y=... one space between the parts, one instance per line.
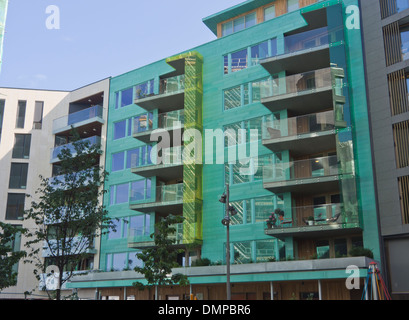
x=297 y=84
x=317 y=215
x=167 y=121
x=163 y=194
x=77 y=117
x=143 y=234
x=313 y=123
x=172 y=84
x=93 y=141
x=166 y=86
x=169 y=156
x=301 y=169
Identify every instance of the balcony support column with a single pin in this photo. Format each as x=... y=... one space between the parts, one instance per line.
x=319 y=290
x=271 y=290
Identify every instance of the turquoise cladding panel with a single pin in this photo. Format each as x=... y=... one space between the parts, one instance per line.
x=214 y=82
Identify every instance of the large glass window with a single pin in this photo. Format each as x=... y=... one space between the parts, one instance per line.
x=144 y=89
x=258 y=251
x=21 y=149
x=124 y=98
x=292 y=5
x=38 y=115
x=115 y=234
x=119 y=261
x=259 y=52
x=138 y=190
x=269 y=13
x=119 y=129
x=15 y=206
x=239 y=60
x=232 y=98
x=404 y=35
x=239 y=24
x=21 y=114
x=122 y=193
x=247 y=93
x=18 y=176
x=118 y=161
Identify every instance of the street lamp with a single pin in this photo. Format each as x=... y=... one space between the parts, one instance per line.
x=230 y=210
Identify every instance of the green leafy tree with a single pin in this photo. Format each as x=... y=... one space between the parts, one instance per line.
x=159 y=260
x=9 y=234
x=68 y=213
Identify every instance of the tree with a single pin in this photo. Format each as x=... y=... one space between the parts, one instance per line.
x=159 y=260
x=68 y=213
x=9 y=234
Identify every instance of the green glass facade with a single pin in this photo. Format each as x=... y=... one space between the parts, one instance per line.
x=301 y=69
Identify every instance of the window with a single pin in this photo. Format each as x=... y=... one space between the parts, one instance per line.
x=119 y=193
x=115 y=234
x=269 y=13
x=15 y=206
x=124 y=98
x=21 y=114
x=258 y=251
x=144 y=89
x=404 y=35
x=18 y=176
x=119 y=129
x=232 y=98
x=122 y=193
x=322 y=248
x=118 y=161
x=227 y=28
x=138 y=157
x=239 y=60
x=248 y=93
x=21 y=149
x=259 y=52
x=292 y=5
x=140 y=226
x=239 y=24
x=122 y=261
x=38 y=115
x=256 y=210
x=119 y=261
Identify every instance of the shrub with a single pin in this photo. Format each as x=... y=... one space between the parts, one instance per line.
x=359 y=252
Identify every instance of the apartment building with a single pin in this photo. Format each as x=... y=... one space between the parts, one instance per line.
x=36 y=124
x=385 y=35
x=285 y=78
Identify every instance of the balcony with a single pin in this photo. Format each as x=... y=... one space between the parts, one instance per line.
x=316 y=175
x=165 y=199
x=140 y=238
x=170 y=166
x=72 y=180
x=301 y=134
x=320 y=220
x=169 y=98
x=302 y=93
x=144 y=125
x=89 y=118
x=77 y=245
x=93 y=141
x=304 y=51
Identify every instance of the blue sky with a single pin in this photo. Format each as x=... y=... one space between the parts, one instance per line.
x=97 y=38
